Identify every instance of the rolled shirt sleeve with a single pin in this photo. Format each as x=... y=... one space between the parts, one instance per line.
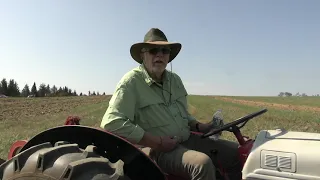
x=119 y=117
x=191 y=118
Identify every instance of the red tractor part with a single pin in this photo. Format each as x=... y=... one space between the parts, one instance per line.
x=72 y=120
x=16 y=147
x=79 y=152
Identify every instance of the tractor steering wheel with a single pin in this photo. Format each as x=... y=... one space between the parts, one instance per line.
x=232 y=125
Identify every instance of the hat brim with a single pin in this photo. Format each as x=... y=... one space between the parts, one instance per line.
x=135 y=49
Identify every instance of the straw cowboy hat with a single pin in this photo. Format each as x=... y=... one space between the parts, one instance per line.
x=154 y=37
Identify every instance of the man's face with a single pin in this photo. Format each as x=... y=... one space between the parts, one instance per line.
x=156 y=59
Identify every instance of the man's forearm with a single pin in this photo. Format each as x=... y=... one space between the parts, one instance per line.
x=149 y=140
x=201 y=126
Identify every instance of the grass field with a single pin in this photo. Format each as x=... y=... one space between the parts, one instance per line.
x=22 y=118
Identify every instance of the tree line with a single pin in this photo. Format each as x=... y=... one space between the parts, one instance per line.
x=289 y=94
x=11 y=88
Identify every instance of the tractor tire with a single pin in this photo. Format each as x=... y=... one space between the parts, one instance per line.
x=62 y=161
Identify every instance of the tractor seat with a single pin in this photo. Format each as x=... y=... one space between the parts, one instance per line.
x=146 y=150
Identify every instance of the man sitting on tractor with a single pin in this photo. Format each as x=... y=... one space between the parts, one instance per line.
x=149 y=108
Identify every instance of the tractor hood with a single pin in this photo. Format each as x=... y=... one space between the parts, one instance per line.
x=286 y=155
x=293 y=135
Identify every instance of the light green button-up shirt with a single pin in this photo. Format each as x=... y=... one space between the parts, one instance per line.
x=140 y=104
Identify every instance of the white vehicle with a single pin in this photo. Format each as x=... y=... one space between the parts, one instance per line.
x=3 y=96
x=283 y=155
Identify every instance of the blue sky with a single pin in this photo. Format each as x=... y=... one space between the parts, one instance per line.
x=245 y=48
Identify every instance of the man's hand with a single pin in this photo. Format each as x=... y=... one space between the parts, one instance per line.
x=204 y=128
x=159 y=143
x=166 y=144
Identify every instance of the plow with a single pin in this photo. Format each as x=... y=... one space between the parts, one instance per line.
x=76 y=152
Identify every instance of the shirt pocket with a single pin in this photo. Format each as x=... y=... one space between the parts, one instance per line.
x=151 y=114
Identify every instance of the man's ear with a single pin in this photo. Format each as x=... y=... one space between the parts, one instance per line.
x=142 y=57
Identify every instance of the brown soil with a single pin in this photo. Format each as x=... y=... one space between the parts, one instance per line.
x=273 y=105
x=18 y=108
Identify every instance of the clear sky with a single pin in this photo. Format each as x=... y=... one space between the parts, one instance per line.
x=229 y=47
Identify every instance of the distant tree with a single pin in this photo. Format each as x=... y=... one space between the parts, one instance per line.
x=13 y=88
x=54 y=90
x=74 y=93
x=66 y=90
x=60 y=90
x=104 y=93
x=42 y=90
x=48 y=90
x=4 y=87
x=34 y=90
x=288 y=94
x=25 y=91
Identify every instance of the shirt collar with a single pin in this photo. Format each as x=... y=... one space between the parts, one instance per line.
x=147 y=77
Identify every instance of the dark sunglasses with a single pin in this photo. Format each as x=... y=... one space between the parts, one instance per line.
x=154 y=51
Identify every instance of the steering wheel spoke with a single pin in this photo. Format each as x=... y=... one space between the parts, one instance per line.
x=230 y=129
x=234 y=124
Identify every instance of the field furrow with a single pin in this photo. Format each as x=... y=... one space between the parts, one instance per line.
x=272 y=105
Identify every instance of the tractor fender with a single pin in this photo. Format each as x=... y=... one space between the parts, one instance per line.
x=136 y=164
